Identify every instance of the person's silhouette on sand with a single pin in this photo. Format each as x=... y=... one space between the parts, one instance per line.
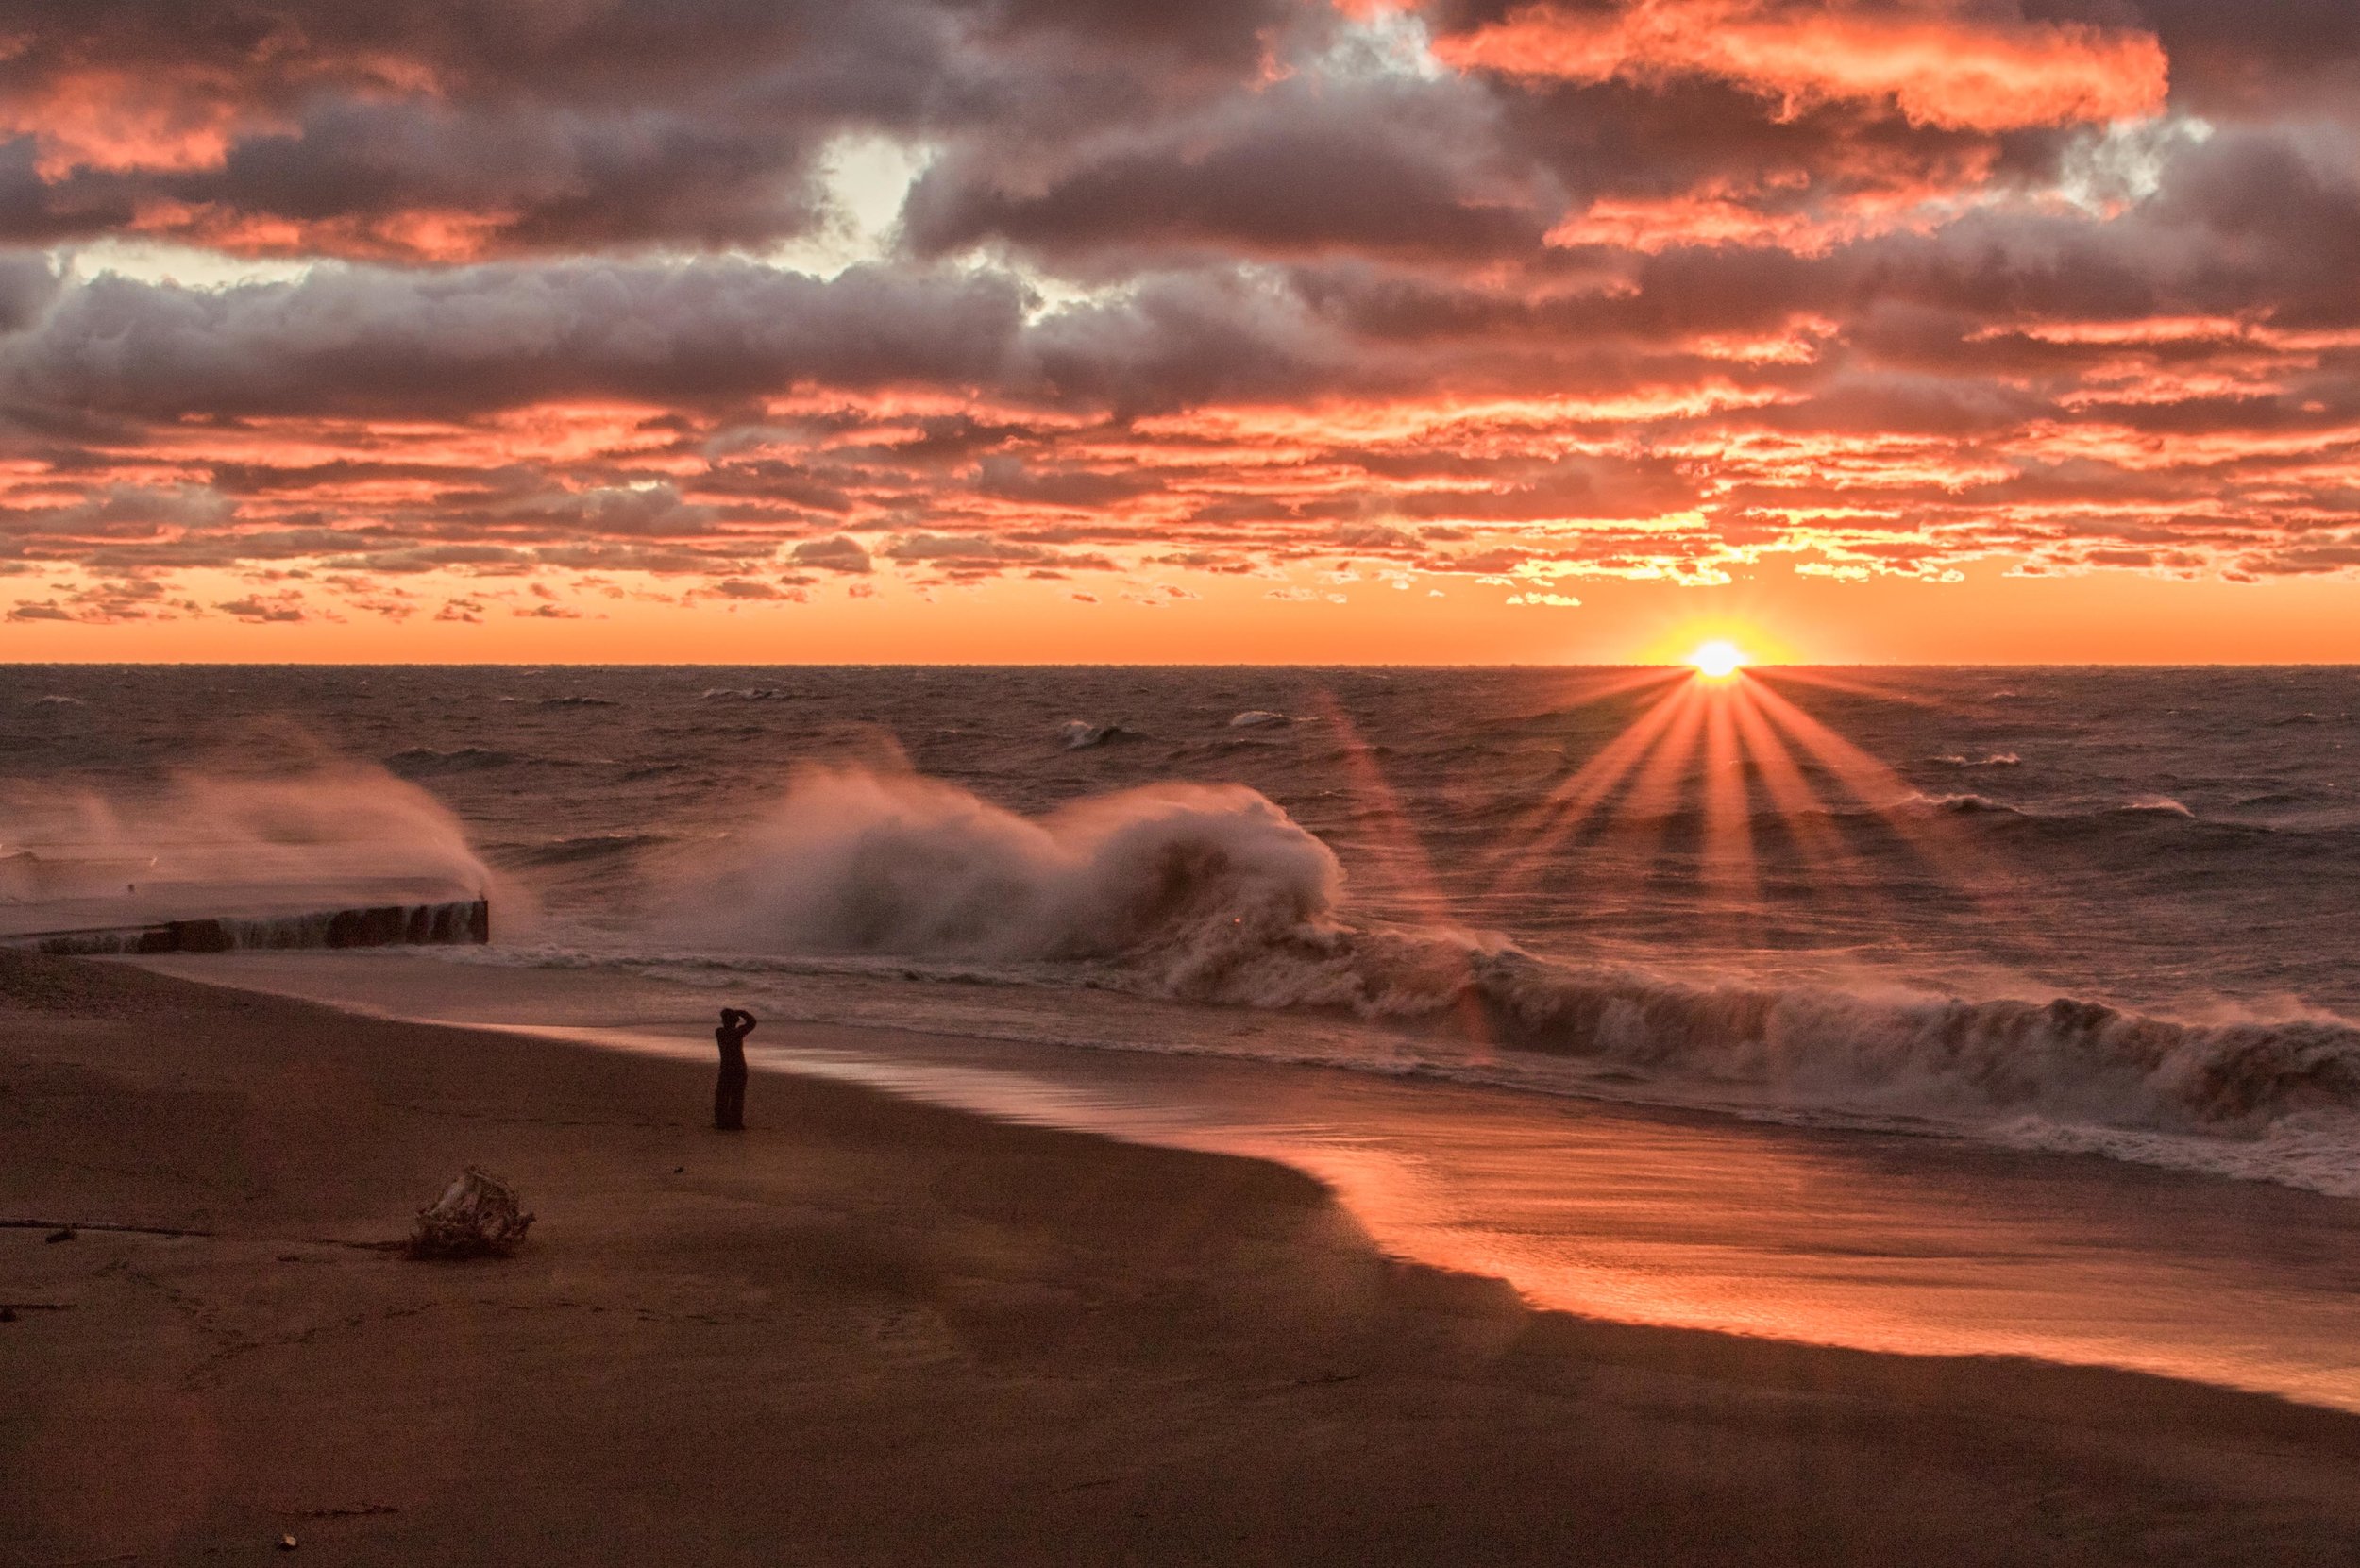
x=728 y=1095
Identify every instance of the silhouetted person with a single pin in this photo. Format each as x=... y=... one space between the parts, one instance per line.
x=728 y=1095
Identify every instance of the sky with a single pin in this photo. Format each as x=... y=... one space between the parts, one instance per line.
x=1259 y=330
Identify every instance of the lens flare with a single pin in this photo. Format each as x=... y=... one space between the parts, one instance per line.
x=1718 y=660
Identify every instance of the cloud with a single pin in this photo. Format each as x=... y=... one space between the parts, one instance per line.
x=835 y=554
x=1657 y=289
x=1939 y=66
x=1411 y=168
x=751 y=588
x=367 y=341
x=258 y=610
x=410 y=130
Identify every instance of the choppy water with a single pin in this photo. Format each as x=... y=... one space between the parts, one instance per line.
x=2103 y=910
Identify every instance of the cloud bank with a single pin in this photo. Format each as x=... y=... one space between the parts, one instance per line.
x=510 y=310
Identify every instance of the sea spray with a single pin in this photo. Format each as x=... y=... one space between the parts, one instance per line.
x=855 y=859
x=1212 y=894
x=1615 y=967
x=316 y=826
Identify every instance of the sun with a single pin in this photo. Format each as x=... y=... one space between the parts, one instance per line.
x=1718 y=660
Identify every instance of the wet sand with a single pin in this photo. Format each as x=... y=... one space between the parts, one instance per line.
x=1870 y=1239
x=869 y=1330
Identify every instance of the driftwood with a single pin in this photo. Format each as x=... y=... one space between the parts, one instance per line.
x=477 y=1216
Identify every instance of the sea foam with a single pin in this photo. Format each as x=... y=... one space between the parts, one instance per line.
x=1212 y=894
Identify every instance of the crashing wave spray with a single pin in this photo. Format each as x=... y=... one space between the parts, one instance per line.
x=330 y=854
x=1213 y=894
x=857 y=860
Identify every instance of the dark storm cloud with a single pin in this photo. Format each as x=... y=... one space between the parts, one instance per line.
x=384 y=178
x=361 y=340
x=365 y=341
x=420 y=128
x=1382 y=166
x=28 y=285
x=2245 y=218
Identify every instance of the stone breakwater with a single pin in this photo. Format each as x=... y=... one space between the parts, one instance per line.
x=457 y=922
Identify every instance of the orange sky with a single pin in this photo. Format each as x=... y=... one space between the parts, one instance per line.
x=2111 y=619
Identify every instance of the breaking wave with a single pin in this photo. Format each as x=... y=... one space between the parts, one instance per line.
x=1967 y=805
x=586 y=846
x=317 y=827
x=465 y=759
x=855 y=860
x=1212 y=894
x=1077 y=734
x=2090 y=818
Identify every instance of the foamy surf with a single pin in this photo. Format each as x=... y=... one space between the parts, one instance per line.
x=1213 y=896
x=2081 y=965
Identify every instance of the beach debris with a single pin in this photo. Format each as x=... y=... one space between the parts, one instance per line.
x=286 y=1544
x=63 y=1233
x=477 y=1216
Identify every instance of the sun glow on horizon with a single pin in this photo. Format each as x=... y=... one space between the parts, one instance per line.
x=1719 y=660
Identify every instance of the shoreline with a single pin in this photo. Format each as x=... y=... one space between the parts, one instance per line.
x=2290 y=1158
x=1875 y=1240
x=876 y=1330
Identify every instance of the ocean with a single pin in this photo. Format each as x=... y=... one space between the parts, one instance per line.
x=1938 y=934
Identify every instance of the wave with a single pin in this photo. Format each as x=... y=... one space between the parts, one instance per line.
x=335 y=824
x=577 y=702
x=1966 y=803
x=855 y=860
x=749 y=694
x=1996 y=759
x=57 y=700
x=585 y=847
x=2068 y=1060
x=1255 y=718
x=2066 y=819
x=466 y=759
x=1212 y=894
x=1076 y=734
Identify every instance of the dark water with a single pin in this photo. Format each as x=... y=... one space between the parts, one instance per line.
x=2106 y=910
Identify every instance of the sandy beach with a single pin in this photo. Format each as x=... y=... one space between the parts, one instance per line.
x=869 y=1330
